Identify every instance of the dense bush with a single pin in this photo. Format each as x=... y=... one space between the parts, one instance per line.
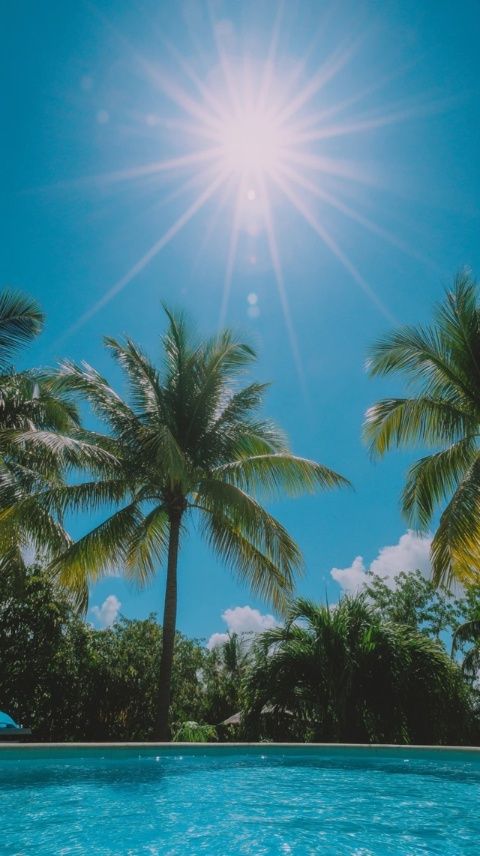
x=344 y=674
x=68 y=681
x=349 y=673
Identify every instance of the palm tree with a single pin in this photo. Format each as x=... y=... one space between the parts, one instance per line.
x=21 y=320
x=223 y=671
x=40 y=439
x=307 y=667
x=187 y=442
x=441 y=364
x=344 y=674
x=467 y=632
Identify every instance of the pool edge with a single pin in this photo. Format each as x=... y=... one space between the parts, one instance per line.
x=11 y=744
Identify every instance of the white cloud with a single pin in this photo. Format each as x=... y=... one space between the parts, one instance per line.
x=410 y=554
x=242 y=619
x=350 y=579
x=107 y=613
x=217 y=639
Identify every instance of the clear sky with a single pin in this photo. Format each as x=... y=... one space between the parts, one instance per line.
x=308 y=174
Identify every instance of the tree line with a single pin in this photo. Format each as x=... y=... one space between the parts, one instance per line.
x=188 y=441
x=374 y=668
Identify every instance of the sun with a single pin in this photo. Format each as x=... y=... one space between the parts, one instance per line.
x=254 y=134
x=251 y=143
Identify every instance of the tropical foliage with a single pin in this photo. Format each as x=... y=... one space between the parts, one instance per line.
x=194 y=732
x=441 y=364
x=188 y=444
x=223 y=671
x=466 y=638
x=68 y=681
x=187 y=441
x=344 y=674
x=40 y=439
x=415 y=601
x=21 y=320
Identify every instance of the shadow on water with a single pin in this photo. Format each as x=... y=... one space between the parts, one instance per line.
x=392 y=767
x=158 y=770
x=72 y=775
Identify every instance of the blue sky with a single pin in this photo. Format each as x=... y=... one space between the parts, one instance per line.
x=390 y=95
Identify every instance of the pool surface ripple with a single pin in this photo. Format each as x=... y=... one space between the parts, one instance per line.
x=257 y=801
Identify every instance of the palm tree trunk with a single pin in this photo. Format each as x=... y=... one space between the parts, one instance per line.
x=169 y=626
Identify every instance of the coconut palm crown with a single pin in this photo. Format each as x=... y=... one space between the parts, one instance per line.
x=187 y=442
x=441 y=364
x=40 y=439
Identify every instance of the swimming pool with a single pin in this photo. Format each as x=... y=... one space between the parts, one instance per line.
x=262 y=800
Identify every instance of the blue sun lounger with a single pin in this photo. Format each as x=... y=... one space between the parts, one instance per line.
x=9 y=728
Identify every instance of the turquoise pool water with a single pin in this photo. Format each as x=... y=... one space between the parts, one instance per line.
x=258 y=801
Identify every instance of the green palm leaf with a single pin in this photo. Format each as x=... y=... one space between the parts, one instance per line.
x=21 y=320
x=441 y=364
x=411 y=421
x=99 y=551
x=279 y=472
x=434 y=478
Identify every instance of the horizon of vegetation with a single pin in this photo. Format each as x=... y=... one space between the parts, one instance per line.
x=190 y=440
x=389 y=665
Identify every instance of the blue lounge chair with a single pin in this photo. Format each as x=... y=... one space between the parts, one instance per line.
x=9 y=728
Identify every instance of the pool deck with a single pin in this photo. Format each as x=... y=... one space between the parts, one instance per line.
x=267 y=747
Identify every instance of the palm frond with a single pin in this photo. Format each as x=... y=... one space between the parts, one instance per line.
x=442 y=365
x=66 y=449
x=279 y=472
x=105 y=402
x=147 y=545
x=264 y=577
x=221 y=359
x=471 y=662
x=418 y=354
x=168 y=461
x=226 y=501
x=456 y=543
x=469 y=631
x=21 y=320
x=101 y=549
x=27 y=401
x=408 y=421
x=63 y=498
x=22 y=524
x=434 y=478
x=145 y=385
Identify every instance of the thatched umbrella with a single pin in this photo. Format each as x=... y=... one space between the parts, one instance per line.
x=236 y=718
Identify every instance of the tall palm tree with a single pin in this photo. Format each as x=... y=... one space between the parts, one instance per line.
x=344 y=674
x=441 y=364
x=187 y=443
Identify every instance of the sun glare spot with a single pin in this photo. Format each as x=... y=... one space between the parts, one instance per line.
x=251 y=142
x=251 y=195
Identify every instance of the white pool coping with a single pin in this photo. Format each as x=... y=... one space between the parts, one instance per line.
x=400 y=747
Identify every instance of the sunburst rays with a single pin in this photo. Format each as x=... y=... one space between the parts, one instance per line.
x=247 y=135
